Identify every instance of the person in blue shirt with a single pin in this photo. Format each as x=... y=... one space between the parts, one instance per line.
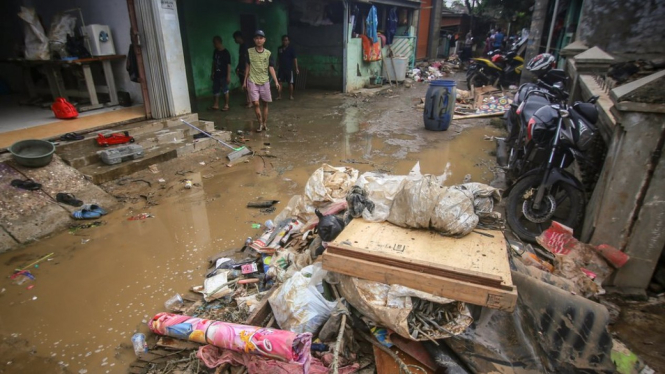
x=498 y=39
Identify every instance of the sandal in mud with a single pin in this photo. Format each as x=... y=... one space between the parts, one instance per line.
x=94 y=208
x=71 y=136
x=27 y=184
x=69 y=199
x=85 y=214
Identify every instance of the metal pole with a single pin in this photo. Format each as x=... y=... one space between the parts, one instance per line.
x=549 y=37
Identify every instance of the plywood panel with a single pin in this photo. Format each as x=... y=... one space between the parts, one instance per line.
x=473 y=254
x=423 y=28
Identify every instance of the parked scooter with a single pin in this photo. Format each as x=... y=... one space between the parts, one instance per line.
x=498 y=69
x=556 y=135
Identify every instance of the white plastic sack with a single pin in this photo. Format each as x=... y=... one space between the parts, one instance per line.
x=298 y=305
x=61 y=26
x=483 y=196
x=454 y=214
x=414 y=205
x=36 y=42
x=382 y=189
x=326 y=185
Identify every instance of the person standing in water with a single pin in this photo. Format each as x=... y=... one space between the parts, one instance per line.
x=260 y=67
x=220 y=73
x=287 y=66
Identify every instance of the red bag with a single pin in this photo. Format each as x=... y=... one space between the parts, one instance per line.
x=63 y=109
x=371 y=50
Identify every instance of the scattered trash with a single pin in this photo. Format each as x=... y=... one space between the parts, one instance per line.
x=174 y=302
x=30 y=287
x=256 y=225
x=262 y=204
x=188 y=184
x=141 y=216
x=139 y=343
x=21 y=277
x=20 y=270
x=83 y=241
x=154 y=168
x=202 y=163
x=161 y=180
x=82 y=226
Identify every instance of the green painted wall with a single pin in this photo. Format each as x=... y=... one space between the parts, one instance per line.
x=204 y=19
x=320 y=50
x=359 y=72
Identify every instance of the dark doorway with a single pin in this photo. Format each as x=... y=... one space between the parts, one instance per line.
x=248 y=27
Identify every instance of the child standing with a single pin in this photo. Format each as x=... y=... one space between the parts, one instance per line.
x=257 y=80
x=220 y=73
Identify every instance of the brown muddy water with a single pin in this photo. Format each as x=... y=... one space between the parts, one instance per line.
x=103 y=283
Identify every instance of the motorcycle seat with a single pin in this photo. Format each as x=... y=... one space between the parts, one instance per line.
x=533 y=103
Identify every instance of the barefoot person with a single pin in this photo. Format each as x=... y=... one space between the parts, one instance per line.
x=220 y=73
x=287 y=66
x=257 y=80
x=242 y=62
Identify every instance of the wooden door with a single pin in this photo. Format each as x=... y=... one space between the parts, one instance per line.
x=423 y=28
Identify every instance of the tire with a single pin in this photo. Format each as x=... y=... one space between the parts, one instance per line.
x=570 y=203
x=476 y=80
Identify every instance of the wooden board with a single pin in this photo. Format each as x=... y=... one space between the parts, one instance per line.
x=474 y=254
x=387 y=365
x=473 y=269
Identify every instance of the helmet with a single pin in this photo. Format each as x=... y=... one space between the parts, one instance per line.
x=541 y=64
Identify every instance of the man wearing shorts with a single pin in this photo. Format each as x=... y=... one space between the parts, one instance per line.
x=257 y=80
x=287 y=66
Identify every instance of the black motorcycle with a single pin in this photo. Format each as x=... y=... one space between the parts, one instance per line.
x=556 y=135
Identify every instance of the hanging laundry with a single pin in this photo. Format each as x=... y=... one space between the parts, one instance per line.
x=371 y=23
x=371 y=51
x=391 y=27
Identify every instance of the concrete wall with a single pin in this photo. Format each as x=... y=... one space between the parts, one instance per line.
x=623 y=26
x=359 y=72
x=173 y=49
x=320 y=50
x=108 y=12
x=203 y=19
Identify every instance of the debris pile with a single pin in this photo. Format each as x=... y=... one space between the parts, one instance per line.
x=429 y=71
x=365 y=265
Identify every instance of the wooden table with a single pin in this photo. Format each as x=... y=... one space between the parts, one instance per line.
x=52 y=69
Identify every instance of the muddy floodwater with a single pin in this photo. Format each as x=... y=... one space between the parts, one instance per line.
x=102 y=284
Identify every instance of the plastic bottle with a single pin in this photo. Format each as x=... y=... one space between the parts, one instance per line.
x=270 y=224
x=139 y=343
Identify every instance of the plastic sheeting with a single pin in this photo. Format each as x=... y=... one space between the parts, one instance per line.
x=390 y=305
x=298 y=305
x=327 y=185
x=36 y=42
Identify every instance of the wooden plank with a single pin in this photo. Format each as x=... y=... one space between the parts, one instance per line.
x=262 y=310
x=439 y=286
x=387 y=365
x=176 y=344
x=419 y=266
x=474 y=254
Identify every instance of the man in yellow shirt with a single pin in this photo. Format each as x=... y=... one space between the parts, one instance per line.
x=257 y=80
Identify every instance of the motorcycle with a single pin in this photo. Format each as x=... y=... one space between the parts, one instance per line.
x=556 y=135
x=497 y=69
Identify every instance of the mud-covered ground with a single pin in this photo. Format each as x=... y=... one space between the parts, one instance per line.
x=103 y=283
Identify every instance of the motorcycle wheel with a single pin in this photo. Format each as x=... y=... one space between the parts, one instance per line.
x=564 y=204
x=476 y=80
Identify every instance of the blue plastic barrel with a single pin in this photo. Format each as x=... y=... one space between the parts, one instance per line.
x=439 y=105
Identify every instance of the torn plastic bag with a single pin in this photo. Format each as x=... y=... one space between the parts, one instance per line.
x=330 y=329
x=550 y=331
x=454 y=213
x=414 y=205
x=329 y=226
x=298 y=305
x=36 y=42
x=382 y=189
x=358 y=202
x=484 y=196
x=327 y=185
x=390 y=306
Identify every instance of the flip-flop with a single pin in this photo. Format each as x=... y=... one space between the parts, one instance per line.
x=225 y=109
x=94 y=208
x=69 y=199
x=85 y=214
x=27 y=184
x=71 y=136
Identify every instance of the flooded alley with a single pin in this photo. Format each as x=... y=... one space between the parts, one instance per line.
x=104 y=283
